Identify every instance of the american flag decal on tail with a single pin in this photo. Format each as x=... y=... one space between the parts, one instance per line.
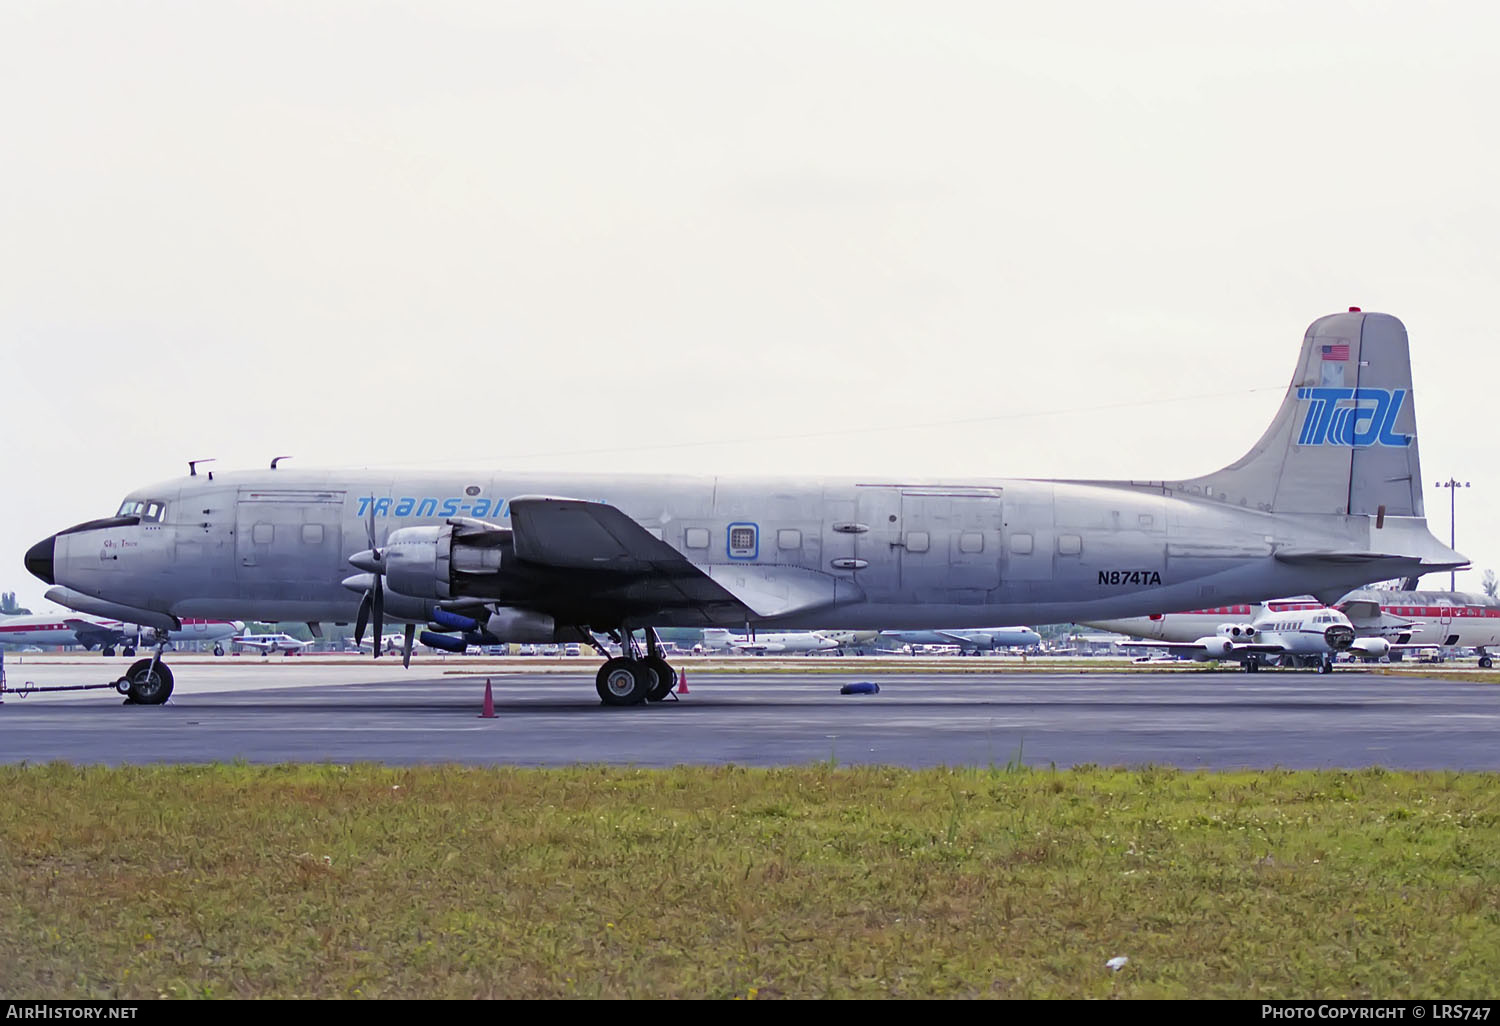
x=1337 y=351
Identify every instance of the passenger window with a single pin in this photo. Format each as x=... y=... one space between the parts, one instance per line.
x=261 y=534
x=312 y=534
x=1021 y=544
x=788 y=538
x=917 y=541
x=696 y=538
x=971 y=541
x=1069 y=544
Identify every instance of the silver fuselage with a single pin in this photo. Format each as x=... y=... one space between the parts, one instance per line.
x=274 y=545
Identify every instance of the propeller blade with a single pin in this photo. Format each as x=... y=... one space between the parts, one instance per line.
x=362 y=619
x=370 y=522
x=379 y=610
x=411 y=634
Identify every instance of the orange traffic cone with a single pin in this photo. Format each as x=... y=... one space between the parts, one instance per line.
x=682 y=682
x=489 y=702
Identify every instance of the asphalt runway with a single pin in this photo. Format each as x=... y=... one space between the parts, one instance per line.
x=294 y=710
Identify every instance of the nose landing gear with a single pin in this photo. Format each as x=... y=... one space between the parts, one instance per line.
x=147 y=682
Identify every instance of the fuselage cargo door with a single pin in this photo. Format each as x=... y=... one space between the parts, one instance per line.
x=289 y=543
x=950 y=544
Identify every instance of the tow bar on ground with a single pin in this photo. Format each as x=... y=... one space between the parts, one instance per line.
x=122 y=685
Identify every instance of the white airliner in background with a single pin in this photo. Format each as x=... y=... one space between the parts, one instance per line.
x=269 y=643
x=1441 y=620
x=984 y=639
x=1405 y=620
x=720 y=640
x=1293 y=637
x=106 y=634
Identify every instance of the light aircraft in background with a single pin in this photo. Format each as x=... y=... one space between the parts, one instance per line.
x=106 y=634
x=266 y=644
x=1328 y=499
x=719 y=640
x=968 y=641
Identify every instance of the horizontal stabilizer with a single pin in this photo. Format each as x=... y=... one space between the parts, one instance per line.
x=1376 y=560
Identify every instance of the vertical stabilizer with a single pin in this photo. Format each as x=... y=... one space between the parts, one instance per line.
x=1345 y=438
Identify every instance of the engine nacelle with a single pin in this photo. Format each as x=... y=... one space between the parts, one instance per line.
x=1340 y=636
x=1237 y=631
x=522 y=625
x=1215 y=648
x=429 y=562
x=1371 y=648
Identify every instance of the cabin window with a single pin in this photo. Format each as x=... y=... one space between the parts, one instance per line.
x=971 y=541
x=918 y=541
x=1021 y=544
x=312 y=534
x=788 y=538
x=743 y=541
x=696 y=538
x=1069 y=544
x=261 y=534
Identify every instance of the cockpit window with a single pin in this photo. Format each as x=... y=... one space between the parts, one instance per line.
x=149 y=510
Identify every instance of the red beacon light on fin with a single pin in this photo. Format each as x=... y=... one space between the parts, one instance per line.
x=1354 y=309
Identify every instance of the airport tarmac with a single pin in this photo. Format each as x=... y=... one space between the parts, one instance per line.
x=306 y=710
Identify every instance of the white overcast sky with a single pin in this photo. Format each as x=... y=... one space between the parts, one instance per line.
x=1016 y=239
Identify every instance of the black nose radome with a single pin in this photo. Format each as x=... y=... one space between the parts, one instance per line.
x=39 y=559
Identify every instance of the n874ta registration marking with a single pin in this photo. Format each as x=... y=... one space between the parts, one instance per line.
x=1130 y=577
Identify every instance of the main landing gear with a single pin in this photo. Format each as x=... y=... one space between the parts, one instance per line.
x=633 y=677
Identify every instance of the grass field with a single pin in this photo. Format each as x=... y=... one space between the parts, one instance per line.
x=821 y=881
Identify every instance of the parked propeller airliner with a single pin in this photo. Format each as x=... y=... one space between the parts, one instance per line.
x=108 y=634
x=1310 y=635
x=1385 y=622
x=968 y=641
x=1328 y=499
x=717 y=639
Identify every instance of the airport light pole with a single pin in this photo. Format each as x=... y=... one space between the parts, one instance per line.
x=1453 y=486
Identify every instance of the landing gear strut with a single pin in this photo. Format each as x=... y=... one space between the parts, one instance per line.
x=632 y=677
x=147 y=682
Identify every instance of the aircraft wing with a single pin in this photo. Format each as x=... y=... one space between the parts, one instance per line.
x=253 y=644
x=1198 y=648
x=580 y=535
x=92 y=633
x=956 y=639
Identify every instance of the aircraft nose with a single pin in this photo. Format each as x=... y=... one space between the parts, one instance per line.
x=39 y=559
